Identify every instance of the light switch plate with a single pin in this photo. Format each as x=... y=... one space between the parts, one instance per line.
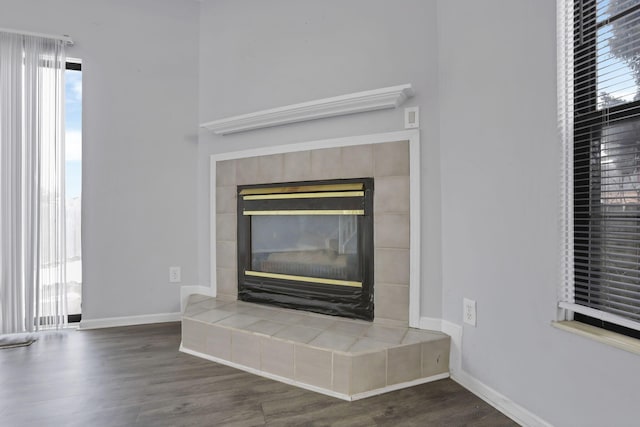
x=411 y=117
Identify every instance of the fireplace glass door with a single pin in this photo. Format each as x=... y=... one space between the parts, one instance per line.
x=308 y=246
x=311 y=246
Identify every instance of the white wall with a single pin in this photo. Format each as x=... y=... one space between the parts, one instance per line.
x=500 y=163
x=257 y=54
x=140 y=71
x=484 y=73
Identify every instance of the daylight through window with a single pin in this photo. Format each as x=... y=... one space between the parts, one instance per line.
x=73 y=187
x=606 y=164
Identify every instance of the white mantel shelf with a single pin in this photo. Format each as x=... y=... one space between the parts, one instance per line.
x=377 y=99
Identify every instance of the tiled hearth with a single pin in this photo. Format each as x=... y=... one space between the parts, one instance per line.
x=348 y=359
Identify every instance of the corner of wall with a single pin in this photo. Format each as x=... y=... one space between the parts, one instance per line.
x=186 y=291
x=494 y=398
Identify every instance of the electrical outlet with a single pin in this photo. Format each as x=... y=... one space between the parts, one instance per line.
x=174 y=274
x=469 y=311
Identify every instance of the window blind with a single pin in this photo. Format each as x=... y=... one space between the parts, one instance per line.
x=599 y=84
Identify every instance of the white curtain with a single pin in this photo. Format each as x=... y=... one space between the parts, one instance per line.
x=32 y=211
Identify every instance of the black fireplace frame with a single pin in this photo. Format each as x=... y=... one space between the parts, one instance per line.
x=344 y=301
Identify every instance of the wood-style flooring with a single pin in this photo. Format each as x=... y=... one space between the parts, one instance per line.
x=135 y=376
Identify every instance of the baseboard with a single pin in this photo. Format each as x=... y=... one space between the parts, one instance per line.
x=144 y=319
x=399 y=386
x=430 y=323
x=185 y=291
x=499 y=401
x=455 y=332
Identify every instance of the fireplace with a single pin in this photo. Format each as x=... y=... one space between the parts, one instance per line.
x=307 y=245
x=342 y=357
x=387 y=163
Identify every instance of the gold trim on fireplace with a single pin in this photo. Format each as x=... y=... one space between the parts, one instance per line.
x=304 y=279
x=302 y=189
x=308 y=212
x=304 y=195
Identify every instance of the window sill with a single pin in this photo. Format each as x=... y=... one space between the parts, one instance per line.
x=601 y=335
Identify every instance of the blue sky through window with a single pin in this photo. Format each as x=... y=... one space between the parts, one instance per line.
x=73 y=188
x=615 y=78
x=73 y=137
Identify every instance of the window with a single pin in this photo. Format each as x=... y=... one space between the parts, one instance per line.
x=603 y=85
x=73 y=187
x=32 y=204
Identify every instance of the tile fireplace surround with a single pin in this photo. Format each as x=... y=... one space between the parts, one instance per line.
x=348 y=359
x=387 y=163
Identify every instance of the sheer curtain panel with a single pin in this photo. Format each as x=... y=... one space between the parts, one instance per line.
x=32 y=212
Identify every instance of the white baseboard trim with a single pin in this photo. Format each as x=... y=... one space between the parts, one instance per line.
x=144 y=319
x=399 y=386
x=455 y=332
x=499 y=401
x=494 y=398
x=306 y=386
x=185 y=291
x=430 y=323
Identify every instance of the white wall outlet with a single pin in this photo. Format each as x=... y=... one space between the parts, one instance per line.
x=175 y=274
x=469 y=311
x=411 y=117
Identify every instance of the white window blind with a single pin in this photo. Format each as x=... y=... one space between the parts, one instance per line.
x=599 y=112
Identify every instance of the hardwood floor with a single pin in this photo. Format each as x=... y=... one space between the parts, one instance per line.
x=135 y=376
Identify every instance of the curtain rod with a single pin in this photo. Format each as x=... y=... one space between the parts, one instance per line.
x=68 y=40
